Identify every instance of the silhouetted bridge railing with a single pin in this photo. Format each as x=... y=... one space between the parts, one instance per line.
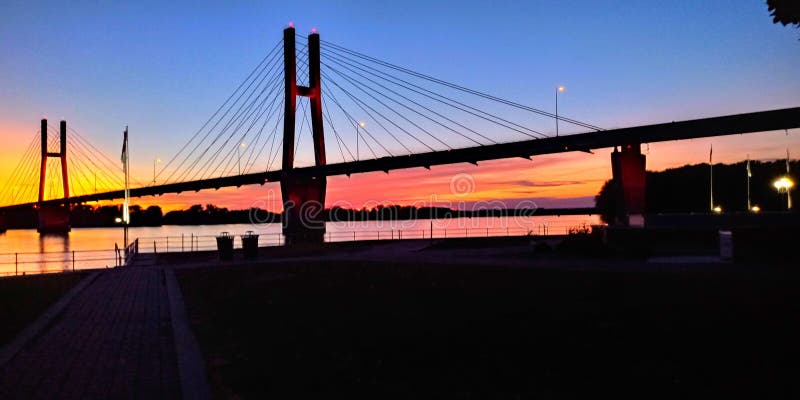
x=763 y=121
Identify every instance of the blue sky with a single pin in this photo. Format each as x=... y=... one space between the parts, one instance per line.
x=164 y=68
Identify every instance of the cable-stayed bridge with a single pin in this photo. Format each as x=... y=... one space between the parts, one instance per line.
x=380 y=117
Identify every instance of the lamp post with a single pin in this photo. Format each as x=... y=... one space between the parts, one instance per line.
x=239 y=156
x=558 y=89
x=358 y=137
x=156 y=161
x=785 y=184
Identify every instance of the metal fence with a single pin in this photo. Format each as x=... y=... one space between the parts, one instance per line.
x=27 y=263
x=191 y=242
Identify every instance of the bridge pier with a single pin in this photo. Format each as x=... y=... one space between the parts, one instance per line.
x=303 y=194
x=629 y=177
x=303 y=206
x=53 y=219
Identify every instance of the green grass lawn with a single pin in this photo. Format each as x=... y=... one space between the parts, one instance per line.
x=24 y=298
x=409 y=331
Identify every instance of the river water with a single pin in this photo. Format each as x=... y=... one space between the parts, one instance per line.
x=25 y=251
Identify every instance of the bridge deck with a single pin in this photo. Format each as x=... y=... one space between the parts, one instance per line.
x=788 y=118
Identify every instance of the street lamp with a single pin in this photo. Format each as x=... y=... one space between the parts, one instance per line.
x=558 y=90
x=785 y=184
x=358 y=136
x=156 y=161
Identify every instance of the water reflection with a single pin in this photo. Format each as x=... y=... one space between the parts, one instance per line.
x=27 y=250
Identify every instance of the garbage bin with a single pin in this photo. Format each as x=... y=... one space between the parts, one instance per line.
x=250 y=244
x=225 y=246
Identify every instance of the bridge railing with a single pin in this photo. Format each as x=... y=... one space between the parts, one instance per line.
x=188 y=243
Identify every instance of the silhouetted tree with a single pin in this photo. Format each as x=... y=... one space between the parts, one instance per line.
x=686 y=189
x=786 y=12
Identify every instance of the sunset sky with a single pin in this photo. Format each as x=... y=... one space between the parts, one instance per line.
x=164 y=69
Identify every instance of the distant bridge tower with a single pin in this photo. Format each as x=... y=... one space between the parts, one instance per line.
x=303 y=194
x=54 y=218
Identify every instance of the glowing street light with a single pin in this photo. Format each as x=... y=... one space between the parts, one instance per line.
x=755 y=209
x=785 y=184
x=718 y=210
x=558 y=90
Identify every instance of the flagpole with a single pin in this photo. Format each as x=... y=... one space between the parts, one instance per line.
x=749 y=206
x=126 y=202
x=788 y=189
x=711 y=169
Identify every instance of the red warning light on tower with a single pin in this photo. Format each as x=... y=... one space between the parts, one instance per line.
x=291 y=24
x=314 y=30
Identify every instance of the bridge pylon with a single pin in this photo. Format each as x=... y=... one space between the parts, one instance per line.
x=54 y=218
x=303 y=194
x=629 y=177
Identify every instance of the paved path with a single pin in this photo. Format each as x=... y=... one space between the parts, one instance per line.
x=113 y=340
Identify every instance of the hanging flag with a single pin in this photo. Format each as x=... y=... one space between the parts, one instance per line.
x=787 y=160
x=124 y=156
x=710 y=153
x=749 y=173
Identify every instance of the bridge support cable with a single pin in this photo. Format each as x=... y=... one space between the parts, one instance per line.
x=437 y=97
x=270 y=54
x=352 y=120
x=110 y=179
x=187 y=151
x=78 y=173
x=366 y=109
x=238 y=119
x=105 y=181
x=302 y=69
x=250 y=151
x=361 y=86
x=242 y=114
x=363 y=107
x=20 y=176
x=417 y=104
x=251 y=113
x=251 y=162
x=454 y=86
x=361 y=104
x=339 y=142
x=235 y=151
x=112 y=167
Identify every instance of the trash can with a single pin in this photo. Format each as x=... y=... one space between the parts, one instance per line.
x=250 y=244
x=225 y=246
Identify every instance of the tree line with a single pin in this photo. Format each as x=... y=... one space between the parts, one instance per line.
x=688 y=189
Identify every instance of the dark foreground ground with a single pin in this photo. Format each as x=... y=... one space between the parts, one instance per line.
x=409 y=331
x=23 y=298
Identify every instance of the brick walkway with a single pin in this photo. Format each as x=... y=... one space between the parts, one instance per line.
x=113 y=340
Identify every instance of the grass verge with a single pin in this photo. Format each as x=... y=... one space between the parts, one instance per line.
x=24 y=298
x=409 y=331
